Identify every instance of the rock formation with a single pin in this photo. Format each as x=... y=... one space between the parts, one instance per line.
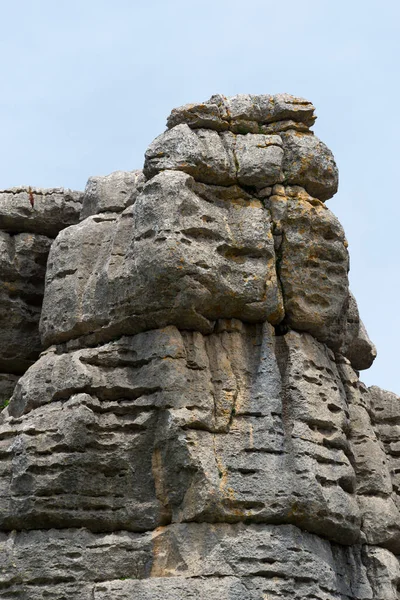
x=194 y=426
x=29 y=221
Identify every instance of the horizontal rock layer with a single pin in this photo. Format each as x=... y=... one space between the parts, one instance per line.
x=195 y=427
x=29 y=220
x=191 y=560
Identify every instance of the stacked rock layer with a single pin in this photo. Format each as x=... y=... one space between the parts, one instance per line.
x=195 y=426
x=30 y=218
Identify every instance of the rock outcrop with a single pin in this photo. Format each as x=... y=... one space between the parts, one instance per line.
x=29 y=221
x=195 y=426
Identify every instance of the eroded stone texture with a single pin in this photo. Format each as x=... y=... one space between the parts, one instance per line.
x=309 y=163
x=111 y=193
x=180 y=255
x=383 y=571
x=22 y=265
x=244 y=113
x=53 y=210
x=218 y=431
x=358 y=348
x=376 y=475
x=312 y=265
x=181 y=561
x=195 y=427
x=26 y=233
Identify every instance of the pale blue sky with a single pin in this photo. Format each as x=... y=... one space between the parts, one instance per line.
x=88 y=84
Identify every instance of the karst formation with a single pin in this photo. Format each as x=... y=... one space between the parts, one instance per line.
x=180 y=354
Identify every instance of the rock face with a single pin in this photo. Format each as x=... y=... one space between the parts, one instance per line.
x=29 y=221
x=195 y=426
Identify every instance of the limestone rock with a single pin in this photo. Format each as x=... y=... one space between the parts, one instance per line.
x=383 y=571
x=244 y=113
x=181 y=561
x=259 y=159
x=7 y=385
x=22 y=266
x=358 y=348
x=309 y=163
x=224 y=432
x=54 y=209
x=66 y=563
x=362 y=351
x=195 y=426
x=199 y=153
x=312 y=265
x=111 y=193
x=174 y=257
x=26 y=234
x=385 y=409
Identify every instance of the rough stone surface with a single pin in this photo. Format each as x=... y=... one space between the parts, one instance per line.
x=7 y=384
x=180 y=255
x=309 y=163
x=244 y=113
x=195 y=426
x=358 y=348
x=22 y=266
x=53 y=209
x=111 y=193
x=312 y=265
x=29 y=220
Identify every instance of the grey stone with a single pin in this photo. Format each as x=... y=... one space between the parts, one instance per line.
x=195 y=427
x=22 y=266
x=309 y=163
x=111 y=193
x=8 y=382
x=66 y=563
x=312 y=265
x=385 y=410
x=358 y=348
x=381 y=521
x=383 y=571
x=225 y=431
x=244 y=113
x=377 y=488
x=172 y=258
x=201 y=154
x=371 y=464
x=206 y=115
x=181 y=561
x=259 y=159
x=54 y=209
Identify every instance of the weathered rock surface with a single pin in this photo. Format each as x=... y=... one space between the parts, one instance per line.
x=358 y=348
x=26 y=234
x=244 y=113
x=195 y=426
x=312 y=265
x=111 y=193
x=181 y=255
x=53 y=210
x=191 y=560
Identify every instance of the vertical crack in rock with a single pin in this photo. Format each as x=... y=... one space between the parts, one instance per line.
x=194 y=426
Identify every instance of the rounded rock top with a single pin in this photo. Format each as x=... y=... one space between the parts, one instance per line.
x=246 y=113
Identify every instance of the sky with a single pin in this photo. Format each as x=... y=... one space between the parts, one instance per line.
x=87 y=85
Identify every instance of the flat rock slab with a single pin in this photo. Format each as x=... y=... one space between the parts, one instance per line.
x=53 y=209
x=244 y=113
